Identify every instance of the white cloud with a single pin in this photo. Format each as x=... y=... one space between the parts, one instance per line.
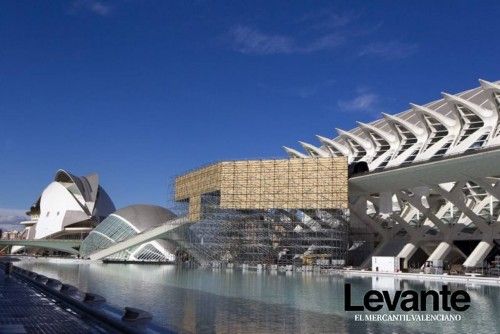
x=303 y=91
x=362 y=102
x=328 y=19
x=316 y=31
x=97 y=7
x=248 y=40
x=389 y=50
x=10 y=218
x=252 y=41
x=325 y=42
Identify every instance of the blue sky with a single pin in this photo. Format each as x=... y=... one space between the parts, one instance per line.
x=140 y=91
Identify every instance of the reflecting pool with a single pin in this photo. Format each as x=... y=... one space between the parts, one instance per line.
x=203 y=301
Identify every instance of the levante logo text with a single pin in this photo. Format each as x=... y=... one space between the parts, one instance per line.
x=409 y=300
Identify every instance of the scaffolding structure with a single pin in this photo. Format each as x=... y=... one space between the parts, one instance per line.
x=281 y=212
x=268 y=236
x=316 y=183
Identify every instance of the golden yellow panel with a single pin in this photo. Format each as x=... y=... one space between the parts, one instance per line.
x=267 y=184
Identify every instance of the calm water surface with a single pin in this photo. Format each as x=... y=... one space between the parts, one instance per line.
x=202 y=301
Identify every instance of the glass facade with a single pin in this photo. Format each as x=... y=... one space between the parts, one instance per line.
x=115 y=229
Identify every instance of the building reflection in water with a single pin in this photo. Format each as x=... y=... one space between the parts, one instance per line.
x=226 y=301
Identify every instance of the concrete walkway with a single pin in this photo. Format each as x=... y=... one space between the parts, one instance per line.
x=23 y=309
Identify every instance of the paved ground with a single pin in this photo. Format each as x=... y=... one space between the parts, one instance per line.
x=23 y=309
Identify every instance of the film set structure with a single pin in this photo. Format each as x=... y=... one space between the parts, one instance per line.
x=269 y=212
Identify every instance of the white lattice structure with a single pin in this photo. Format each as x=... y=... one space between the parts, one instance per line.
x=452 y=125
x=125 y=224
x=453 y=197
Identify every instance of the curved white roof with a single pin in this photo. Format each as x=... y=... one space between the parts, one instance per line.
x=69 y=201
x=144 y=216
x=125 y=223
x=454 y=124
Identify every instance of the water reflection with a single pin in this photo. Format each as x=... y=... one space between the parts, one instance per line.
x=199 y=301
x=386 y=283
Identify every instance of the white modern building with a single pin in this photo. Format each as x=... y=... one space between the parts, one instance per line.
x=433 y=190
x=431 y=194
x=126 y=223
x=68 y=208
x=77 y=208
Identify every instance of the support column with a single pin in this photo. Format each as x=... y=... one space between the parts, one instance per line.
x=407 y=252
x=368 y=261
x=476 y=258
x=441 y=251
